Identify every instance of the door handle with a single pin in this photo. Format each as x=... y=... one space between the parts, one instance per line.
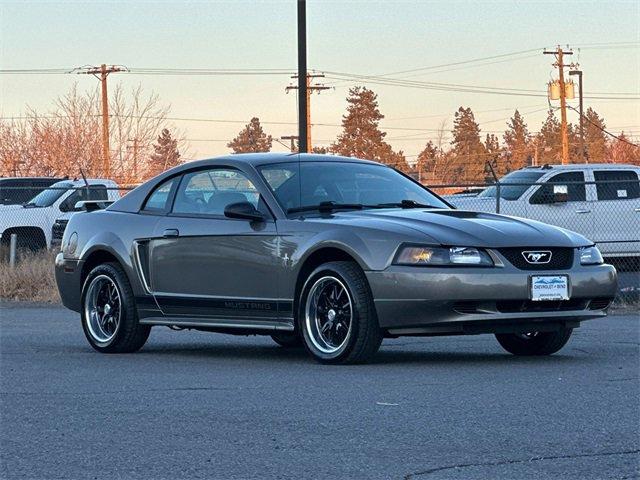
x=636 y=209
x=170 y=233
x=583 y=211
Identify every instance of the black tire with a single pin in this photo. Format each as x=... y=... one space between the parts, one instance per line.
x=129 y=335
x=287 y=340
x=364 y=337
x=535 y=343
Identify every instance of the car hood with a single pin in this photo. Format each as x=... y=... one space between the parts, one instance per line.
x=6 y=208
x=478 y=204
x=473 y=229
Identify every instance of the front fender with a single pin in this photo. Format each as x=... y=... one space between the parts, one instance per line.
x=346 y=241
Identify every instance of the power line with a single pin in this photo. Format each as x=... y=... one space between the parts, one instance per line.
x=474 y=60
x=448 y=114
x=603 y=129
x=452 y=87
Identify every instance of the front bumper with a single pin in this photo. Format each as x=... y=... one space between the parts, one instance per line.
x=68 y=279
x=423 y=300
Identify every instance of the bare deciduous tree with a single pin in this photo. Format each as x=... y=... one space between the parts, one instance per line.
x=69 y=139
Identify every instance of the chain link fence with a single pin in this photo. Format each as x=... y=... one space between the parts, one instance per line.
x=607 y=212
x=38 y=223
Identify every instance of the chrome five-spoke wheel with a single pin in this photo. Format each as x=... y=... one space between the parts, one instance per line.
x=329 y=314
x=102 y=308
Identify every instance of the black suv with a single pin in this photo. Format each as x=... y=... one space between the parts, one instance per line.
x=19 y=190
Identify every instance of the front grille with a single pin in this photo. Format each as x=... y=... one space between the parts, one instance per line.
x=516 y=306
x=561 y=258
x=57 y=231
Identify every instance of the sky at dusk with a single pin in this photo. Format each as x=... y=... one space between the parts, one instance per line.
x=364 y=38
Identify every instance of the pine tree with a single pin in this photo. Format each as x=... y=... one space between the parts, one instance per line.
x=517 y=143
x=595 y=140
x=493 y=157
x=624 y=151
x=550 y=141
x=165 y=154
x=361 y=136
x=468 y=151
x=427 y=161
x=251 y=139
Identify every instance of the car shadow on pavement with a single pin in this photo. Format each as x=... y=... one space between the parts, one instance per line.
x=268 y=354
x=462 y=357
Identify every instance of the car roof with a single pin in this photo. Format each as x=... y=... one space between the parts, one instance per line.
x=81 y=181
x=584 y=166
x=268 y=158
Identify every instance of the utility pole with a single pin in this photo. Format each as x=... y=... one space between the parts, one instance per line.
x=293 y=139
x=101 y=74
x=583 y=150
x=559 y=54
x=303 y=113
x=310 y=88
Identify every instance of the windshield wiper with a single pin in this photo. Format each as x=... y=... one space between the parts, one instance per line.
x=29 y=205
x=327 y=207
x=405 y=204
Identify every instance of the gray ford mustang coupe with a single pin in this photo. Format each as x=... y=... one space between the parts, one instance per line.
x=330 y=252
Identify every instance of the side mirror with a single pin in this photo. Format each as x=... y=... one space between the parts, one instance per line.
x=560 y=194
x=244 y=211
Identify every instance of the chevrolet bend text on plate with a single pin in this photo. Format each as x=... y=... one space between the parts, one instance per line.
x=330 y=252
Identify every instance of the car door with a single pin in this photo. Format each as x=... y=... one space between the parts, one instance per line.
x=82 y=194
x=616 y=223
x=573 y=214
x=203 y=264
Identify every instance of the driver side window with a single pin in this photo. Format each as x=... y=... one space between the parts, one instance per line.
x=83 y=194
x=209 y=192
x=576 y=192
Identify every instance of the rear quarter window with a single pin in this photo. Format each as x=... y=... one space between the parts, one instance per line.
x=160 y=198
x=617 y=184
x=576 y=190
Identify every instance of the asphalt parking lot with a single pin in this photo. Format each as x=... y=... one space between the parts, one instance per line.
x=199 y=405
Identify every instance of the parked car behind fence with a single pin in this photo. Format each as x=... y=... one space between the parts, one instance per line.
x=33 y=222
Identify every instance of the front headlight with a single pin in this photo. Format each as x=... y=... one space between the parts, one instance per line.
x=434 y=256
x=590 y=256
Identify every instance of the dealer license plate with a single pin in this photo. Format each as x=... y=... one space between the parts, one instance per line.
x=549 y=287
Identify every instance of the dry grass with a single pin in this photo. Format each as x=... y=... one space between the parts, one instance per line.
x=31 y=280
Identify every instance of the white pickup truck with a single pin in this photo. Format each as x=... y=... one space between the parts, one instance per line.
x=600 y=201
x=33 y=221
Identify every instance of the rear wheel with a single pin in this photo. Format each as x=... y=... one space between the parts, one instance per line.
x=534 y=343
x=337 y=316
x=109 y=317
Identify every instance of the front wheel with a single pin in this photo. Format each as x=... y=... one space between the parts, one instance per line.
x=534 y=343
x=336 y=315
x=109 y=317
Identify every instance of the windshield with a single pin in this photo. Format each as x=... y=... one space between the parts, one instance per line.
x=513 y=192
x=47 y=197
x=304 y=184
